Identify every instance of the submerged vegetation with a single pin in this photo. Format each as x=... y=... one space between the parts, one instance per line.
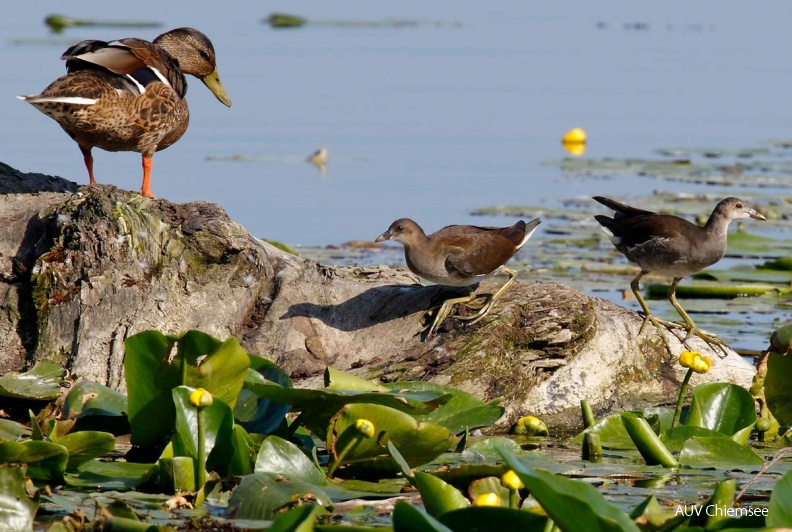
x=220 y=438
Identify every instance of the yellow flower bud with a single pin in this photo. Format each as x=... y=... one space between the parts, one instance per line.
x=365 y=427
x=487 y=499
x=512 y=481
x=695 y=361
x=201 y=398
x=531 y=426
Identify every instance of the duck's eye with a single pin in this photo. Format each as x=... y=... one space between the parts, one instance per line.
x=399 y=228
x=204 y=55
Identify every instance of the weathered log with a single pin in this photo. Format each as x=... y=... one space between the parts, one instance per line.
x=84 y=269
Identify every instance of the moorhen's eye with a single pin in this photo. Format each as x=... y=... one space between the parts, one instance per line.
x=399 y=229
x=739 y=206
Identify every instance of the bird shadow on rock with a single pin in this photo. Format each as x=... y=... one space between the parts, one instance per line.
x=376 y=305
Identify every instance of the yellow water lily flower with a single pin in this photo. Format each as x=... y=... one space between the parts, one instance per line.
x=695 y=361
x=201 y=398
x=365 y=427
x=487 y=499
x=574 y=136
x=511 y=480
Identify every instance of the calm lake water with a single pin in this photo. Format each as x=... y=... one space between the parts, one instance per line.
x=429 y=120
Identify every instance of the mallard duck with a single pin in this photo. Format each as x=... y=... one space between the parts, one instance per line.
x=128 y=95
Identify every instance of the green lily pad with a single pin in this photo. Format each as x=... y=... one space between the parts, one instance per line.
x=200 y=361
x=721 y=451
x=241 y=462
x=280 y=457
x=418 y=443
x=776 y=386
x=675 y=438
x=479 y=518
x=105 y=476
x=438 y=496
x=408 y=518
x=722 y=407
x=217 y=434
x=85 y=445
x=714 y=290
x=318 y=406
x=262 y=495
x=40 y=383
x=258 y=414
x=780 y=507
x=338 y=380
x=300 y=519
x=462 y=411
x=16 y=509
x=571 y=504
x=87 y=398
x=46 y=461
x=13 y=430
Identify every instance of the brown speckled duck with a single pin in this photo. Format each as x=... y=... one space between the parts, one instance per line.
x=128 y=95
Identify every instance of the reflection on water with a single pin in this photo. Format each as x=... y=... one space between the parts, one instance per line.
x=424 y=121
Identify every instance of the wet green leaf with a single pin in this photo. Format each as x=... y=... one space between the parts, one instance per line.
x=16 y=509
x=780 y=507
x=241 y=462
x=46 y=461
x=200 y=361
x=485 y=518
x=280 y=457
x=111 y=475
x=483 y=486
x=318 y=406
x=703 y=290
x=219 y=422
x=338 y=380
x=438 y=496
x=722 y=407
x=462 y=411
x=88 y=398
x=85 y=445
x=571 y=504
x=675 y=438
x=257 y=414
x=407 y=518
x=418 y=443
x=40 y=383
x=722 y=451
x=300 y=519
x=261 y=495
x=778 y=392
x=13 y=430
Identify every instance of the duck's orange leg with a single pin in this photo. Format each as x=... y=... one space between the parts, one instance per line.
x=145 y=190
x=88 y=159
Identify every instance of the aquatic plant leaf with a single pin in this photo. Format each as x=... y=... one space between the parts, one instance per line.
x=300 y=519
x=280 y=457
x=778 y=392
x=200 y=361
x=571 y=504
x=722 y=407
x=492 y=484
x=437 y=495
x=13 y=430
x=675 y=438
x=46 y=461
x=490 y=447
x=408 y=518
x=713 y=290
x=241 y=462
x=104 y=476
x=42 y=382
x=418 y=443
x=780 y=507
x=478 y=518
x=10 y=450
x=318 y=406
x=87 y=398
x=217 y=433
x=461 y=411
x=261 y=495
x=85 y=445
x=611 y=431
x=16 y=509
x=258 y=414
x=338 y=380
x=719 y=451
